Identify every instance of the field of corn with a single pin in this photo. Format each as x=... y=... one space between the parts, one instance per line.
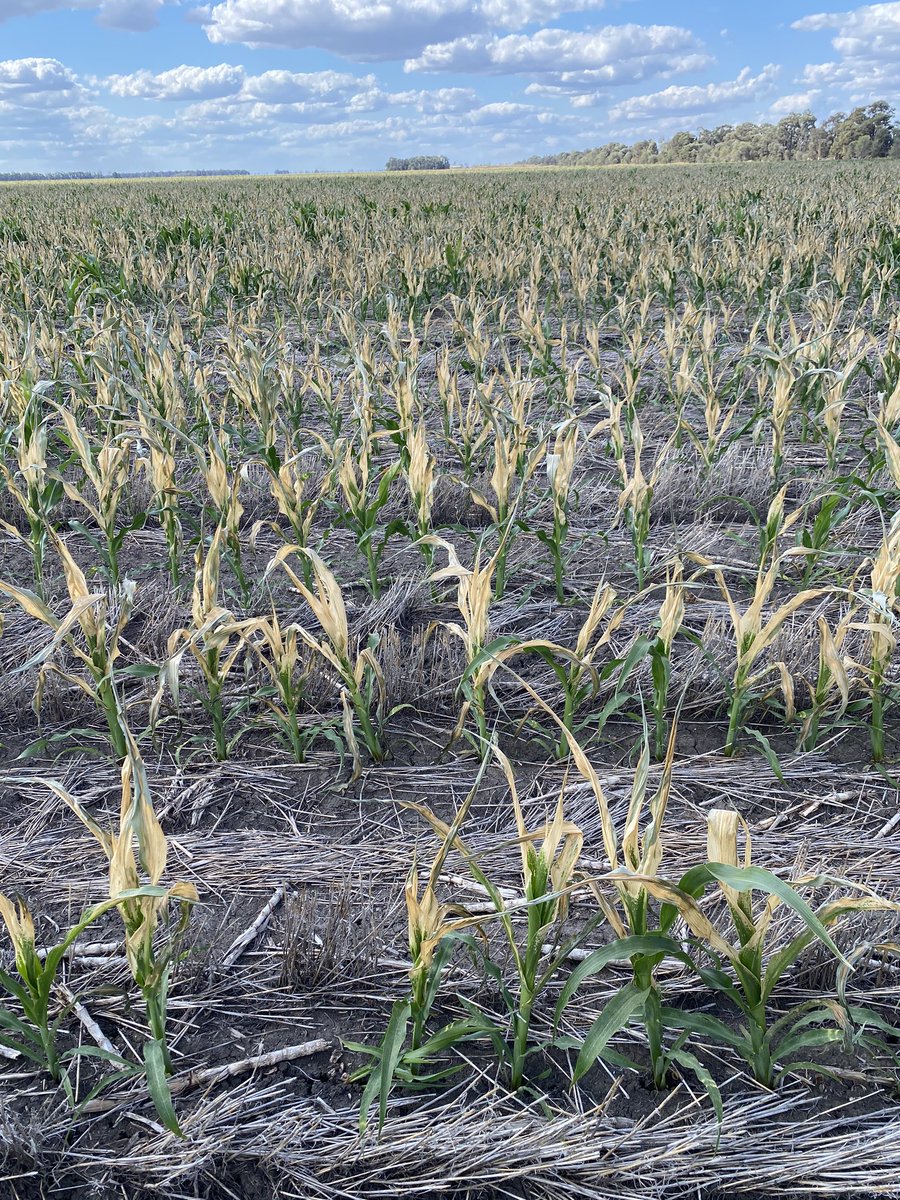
x=448 y=735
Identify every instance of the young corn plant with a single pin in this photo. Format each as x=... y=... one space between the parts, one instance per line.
x=671 y=614
x=560 y=464
x=107 y=469
x=35 y=489
x=223 y=484
x=833 y=675
x=474 y=593
x=550 y=856
x=408 y=1051
x=35 y=1035
x=578 y=677
x=753 y=634
x=295 y=495
x=277 y=649
x=771 y=1049
x=508 y=453
x=364 y=497
x=214 y=641
x=89 y=636
x=419 y=472
x=642 y=936
x=362 y=691
x=637 y=490
x=143 y=908
x=157 y=461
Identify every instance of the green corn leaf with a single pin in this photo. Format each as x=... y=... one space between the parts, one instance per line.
x=615 y=1016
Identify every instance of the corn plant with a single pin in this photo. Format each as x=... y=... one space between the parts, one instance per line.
x=107 y=469
x=142 y=908
x=157 y=460
x=671 y=614
x=560 y=463
x=35 y=1035
x=833 y=675
x=407 y=1052
x=223 y=484
x=364 y=496
x=214 y=641
x=419 y=473
x=549 y=855
x=473 y=599
x=89 y=636
x=637 y=490
x=578 y=676
x=753 y=634
x=748 y=975
x=36 y=490
x=277 y=649
x=360 y=679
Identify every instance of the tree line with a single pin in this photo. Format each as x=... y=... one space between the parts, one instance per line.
x=867 y=132
x=419 y=162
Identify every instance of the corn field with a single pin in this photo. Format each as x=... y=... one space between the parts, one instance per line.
x=449 y=727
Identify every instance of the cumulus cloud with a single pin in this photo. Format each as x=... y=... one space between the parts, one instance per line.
x=614 y=54
x=867 y=42
x=698 y=99
x=37 y=83
x=796 y=102
x=179 y=83
x=285 y=87
x=367 y=30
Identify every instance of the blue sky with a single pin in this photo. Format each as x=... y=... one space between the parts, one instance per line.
x=343 y=84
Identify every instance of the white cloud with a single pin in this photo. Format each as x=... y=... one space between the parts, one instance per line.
x=180 y=83
x=367 y=30
x=37 y=83
x=364 y=30
x=796 y=102
x=613 y=54
x=698 y=99
x=284 y=87
x=867 y=41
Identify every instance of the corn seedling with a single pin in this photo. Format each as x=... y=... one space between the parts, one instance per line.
x=473 y=600
x=96 y=649
x=671 y=614
x=407 y=1052
x=277 y=650
x=560 y=463
x=771 y=1050
x=214 y=641
x=833 y=675
x=33 y=487
x=550 y=856
x=364 y=496
x=35 y=1034
x=753 y=634
x=142 y=908
x=107 y=469
x=360 y=678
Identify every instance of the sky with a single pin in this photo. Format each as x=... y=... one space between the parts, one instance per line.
x=301 y=85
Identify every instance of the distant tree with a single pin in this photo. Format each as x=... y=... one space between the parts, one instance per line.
x=866 y=133
x=419 y=162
